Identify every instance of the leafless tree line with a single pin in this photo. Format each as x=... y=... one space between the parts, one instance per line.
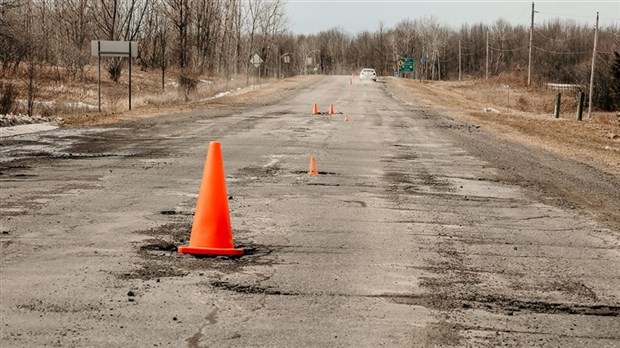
x=562 y=52
x=218 y=37
x=197 y=35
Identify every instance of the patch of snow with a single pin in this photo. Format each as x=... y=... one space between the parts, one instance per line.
x=26 y=128
x=48 y=104
x=15 y=120
x=487 y=109
x=219 y=95
x=81 y=105
x=52 y=103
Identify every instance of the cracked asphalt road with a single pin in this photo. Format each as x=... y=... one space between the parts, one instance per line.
x=420 y=231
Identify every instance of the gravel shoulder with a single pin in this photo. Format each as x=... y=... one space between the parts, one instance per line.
x=568 y=163
x=595 y=141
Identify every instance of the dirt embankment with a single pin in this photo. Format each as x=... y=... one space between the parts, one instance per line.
x=525 y=115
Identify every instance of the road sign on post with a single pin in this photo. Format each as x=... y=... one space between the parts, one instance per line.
x=102 y=48
x=406 y=65
x=256 y=60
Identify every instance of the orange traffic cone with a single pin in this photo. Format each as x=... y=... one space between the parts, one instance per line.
x=312 y=171
x=315 y=109
x=211 y=231
x=331 y=109
x=346 y=117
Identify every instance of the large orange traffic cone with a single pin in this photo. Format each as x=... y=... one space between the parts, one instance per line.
x=315 y=109
x=211 y=231
x=312 y=171
x=331 y=109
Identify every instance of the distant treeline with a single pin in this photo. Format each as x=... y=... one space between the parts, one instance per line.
x=218 y=37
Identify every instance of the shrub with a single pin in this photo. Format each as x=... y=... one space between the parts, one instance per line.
x=7 y=98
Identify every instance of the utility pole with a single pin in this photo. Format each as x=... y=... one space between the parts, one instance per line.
x=592 y=72
x=487 y=72
x=459 y=60
x=529 y=61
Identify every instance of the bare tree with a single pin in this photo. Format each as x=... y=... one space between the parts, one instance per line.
x=119 y=20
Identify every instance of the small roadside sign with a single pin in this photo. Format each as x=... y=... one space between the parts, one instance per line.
x=106 y=48
x=256 y=60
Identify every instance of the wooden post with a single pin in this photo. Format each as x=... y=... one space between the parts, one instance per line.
x=558 y=101
x=487 y=66
x=529 y=60
x=582 y=97
x=592 y=72
x=459 y=60
x=163 y=65
x=99 y=73
x=129 y=43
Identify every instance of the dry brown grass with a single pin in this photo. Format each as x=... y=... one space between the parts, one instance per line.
x=58 y=95
x=527 y=118
x=157 y=104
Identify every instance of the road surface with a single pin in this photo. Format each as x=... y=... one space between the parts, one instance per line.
x=413 y=234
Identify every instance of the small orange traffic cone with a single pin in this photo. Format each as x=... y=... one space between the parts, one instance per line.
x=315 y=109
x=211 y=231
x=331 y=109
x=346 y=117
x=312 y=171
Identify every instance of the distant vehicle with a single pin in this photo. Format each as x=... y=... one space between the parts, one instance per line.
x=368 y=74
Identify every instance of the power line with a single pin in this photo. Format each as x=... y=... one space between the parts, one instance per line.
x=472 y=53
x=559 y=52
x=563 y=40
x=507 y=50
x=562 y=15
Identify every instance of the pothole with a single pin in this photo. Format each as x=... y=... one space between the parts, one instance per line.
x=249 y=289
x=306 y=172
x=174 y=212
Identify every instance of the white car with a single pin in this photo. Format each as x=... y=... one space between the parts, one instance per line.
x=368 y=74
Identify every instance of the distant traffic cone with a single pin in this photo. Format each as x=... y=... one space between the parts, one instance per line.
x=346 y=117
x=315 y=109
x=211 y=230
x=312 y=171
x=331 y=109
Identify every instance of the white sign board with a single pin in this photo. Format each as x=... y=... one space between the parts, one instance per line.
x=309 y=61
x=113 y=48
x=256 y=60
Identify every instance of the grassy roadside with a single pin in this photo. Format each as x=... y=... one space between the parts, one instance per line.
x=528 y=118
x=73 y=101
x=266 y=92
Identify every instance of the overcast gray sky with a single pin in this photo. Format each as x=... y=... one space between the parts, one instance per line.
x=313 y=16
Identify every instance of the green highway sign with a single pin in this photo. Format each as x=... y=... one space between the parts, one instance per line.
x=406 y=65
